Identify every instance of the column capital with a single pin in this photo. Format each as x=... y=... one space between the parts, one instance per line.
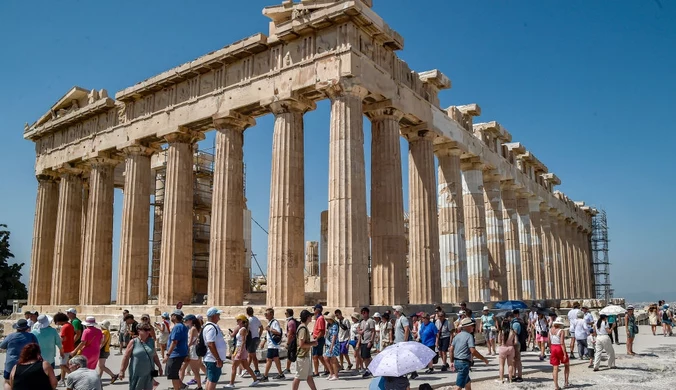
x=184 y=136
x=449 y=148
x=289 y=104
x=471 y=164
x=382 y=109
x=509 y=185
x=232 y=120
x=102 y=158
x=343 y=87
x=491 y=175
x=418 y=132
x=544 y=207
x=68 y=169
x=138 y=149
x=47 y=176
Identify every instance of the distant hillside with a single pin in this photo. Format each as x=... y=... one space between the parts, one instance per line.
x=647 y=296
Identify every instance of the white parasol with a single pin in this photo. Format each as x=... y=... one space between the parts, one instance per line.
x=401 y=359
x=613 y=310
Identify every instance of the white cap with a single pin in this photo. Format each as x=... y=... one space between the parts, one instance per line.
x=376 y=315
x=398 y=308
x=485 y=307
x=461 y=313
x=71 y=310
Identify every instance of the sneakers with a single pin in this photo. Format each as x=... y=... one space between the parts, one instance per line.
x=444 y=368
x=429 y=371
x=190 y=383
x=279 y=376
x=367 y=374
x=414 y=375
x=184 y=386
x=286 y=371
x=61 y=384
x=262 y=379
x=244 y=374
x=518 y=379
x=230 y=386
x=257 y=373
x=114 y=379
x=349 y=366
x=255 y=383
x=325 y=373
x=333 y=378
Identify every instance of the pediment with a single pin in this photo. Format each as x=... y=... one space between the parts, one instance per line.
x=73 y=100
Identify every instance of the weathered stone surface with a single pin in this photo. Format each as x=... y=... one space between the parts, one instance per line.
x=547 y=258
x=510 y=225
x=44 y=233
x=312 y=258
x=475 y=231
x=536 y=249
x=527 y=273
x=495 y=238
x=323 y=249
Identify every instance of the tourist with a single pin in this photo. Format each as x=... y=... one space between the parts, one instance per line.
x=354 y=339
x=32 y=317
x=652 y=318
x=632 y=329
x=591 y=347
x=507 y=339
x=68 y=342
x=667 y=320
x=132 y=326
x=145 y=319
x=177 y=349
x=444 y=336
x=415 y=326
x=332 y=346
x=366 y=333
x=77 y=324
x=104 y=352
x=240 y=358
x=461 y=351
x=216 y=349
x=274 y=339
x=612 y=321
x=122 y=333
x=344 y=338
x=386 y=332
x=194 y=362
x=318 y=333
x=468 y=312
x=456 y=324
x=141 y=354
x=581 y=331
x=488 y=329
x=255 y=329
x=402 y=328
x=559 y=355
x=541 y=334
x=291 y=342
x=82 y=377
x=572 y=318
x=90 y=345
x=164 y=328
x=376 y=338
x=48 y=339
x=428 y=337
x=588 y=318
x=520 y=330
x=32 y=372
x=303 y=360
x=603 y=343
x=532 y=319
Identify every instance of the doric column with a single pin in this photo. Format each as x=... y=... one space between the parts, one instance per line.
x=226 y=242
x=323 y=249
x=510 y=225
x=525 y=244
x=68 y=238
x=495 y=237
x=348 y=252
x=85 y=207
x=452 y=249
x=586 y=252
x=388 y=244
x=286 y=239
x=423 y=260
x=44 y=233
x=132 y=284
x=569 y=261
x=97 y=262
x=312 y=258
x=475 y=230
x=548 y=259
x=555 y=253
x=177 y=222
x=563 y=256
x=536 y=248
x=584 y=268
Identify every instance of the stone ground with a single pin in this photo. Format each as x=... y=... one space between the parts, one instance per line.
x=653 y=367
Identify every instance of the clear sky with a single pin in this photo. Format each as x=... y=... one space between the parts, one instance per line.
x=588 y=86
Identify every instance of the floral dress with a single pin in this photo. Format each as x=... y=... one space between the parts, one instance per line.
x=332 y=332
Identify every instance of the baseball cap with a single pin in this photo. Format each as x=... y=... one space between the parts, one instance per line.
x=190 y=317
x=318 y=306
x=398 y=308
x=461 y=313
x=71 y=310
x=213 y=311
x=485 y=307
x=376 y=315
x=177 y=313
x=241 y=317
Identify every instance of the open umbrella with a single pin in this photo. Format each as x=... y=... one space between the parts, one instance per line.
x=511 y=305
x=613 y=310
x=401 y=359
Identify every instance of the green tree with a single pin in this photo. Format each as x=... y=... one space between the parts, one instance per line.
x=11 y=286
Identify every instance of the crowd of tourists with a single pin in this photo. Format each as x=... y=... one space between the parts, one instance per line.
x=337 y=343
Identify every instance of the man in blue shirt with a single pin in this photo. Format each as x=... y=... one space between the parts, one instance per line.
x=518 y=326
x=14 y=343
x=178 y=349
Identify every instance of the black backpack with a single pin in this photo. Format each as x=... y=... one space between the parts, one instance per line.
x=276 y=338
x=201 y=347
x=292 y=348
x=523 y=335
x=665 y=315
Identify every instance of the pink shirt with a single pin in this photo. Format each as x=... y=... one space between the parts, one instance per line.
x=92 y=336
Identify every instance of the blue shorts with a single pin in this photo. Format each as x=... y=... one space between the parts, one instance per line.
x=463 y=373
x=213 y=372
x=318 y=350
x=6 y=374
x=344 y=347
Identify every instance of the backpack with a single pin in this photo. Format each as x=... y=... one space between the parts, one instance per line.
x=292 y=347
x=410 y=330
x=248 y=342
x=523 y=335
x=201 y=347
x=342 y=324
x=276 y=338
x=665 y=315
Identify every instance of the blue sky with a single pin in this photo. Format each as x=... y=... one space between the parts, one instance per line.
x=588 y=86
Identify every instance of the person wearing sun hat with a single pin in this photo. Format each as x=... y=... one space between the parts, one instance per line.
x=14 y=343
x=177 y=349
x=461 y=352
x=90 y=344
x=558 y=353
x=77 y=324
x=632 y=329
x=216 y=347
x=48 y=339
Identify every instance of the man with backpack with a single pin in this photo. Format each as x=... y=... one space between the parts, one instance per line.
x=211 y=345
x=274 y=339
x=291 y=341
x=304 y=358
x=521 y=330
x=344 y=326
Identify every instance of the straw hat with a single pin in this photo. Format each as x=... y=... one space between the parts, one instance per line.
x=559 y=321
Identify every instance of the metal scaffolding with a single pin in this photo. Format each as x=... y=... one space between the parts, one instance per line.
x=599 y=244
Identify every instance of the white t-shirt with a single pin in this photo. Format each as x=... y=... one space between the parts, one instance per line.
x=254 y=327
x=572 y=317
x=212 y=334
x=581 y=330
x=274 y=324
x=344 y=330
x=603 y=330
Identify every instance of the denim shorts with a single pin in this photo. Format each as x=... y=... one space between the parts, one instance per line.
x=318 y=350
x=213 y=372
x=463 y=373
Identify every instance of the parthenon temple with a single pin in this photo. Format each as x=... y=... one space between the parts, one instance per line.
x=492 y=227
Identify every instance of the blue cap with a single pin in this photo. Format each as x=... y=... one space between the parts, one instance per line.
x=318 y=306
x=177 y=312
x=165 y=315
x=213 y=311
x=189 y=317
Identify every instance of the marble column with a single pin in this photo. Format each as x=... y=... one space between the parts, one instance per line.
x=323 y=249
x=570 y=261
x=97 y=262
x=132 y=285
x=452 y=250
x=510 y=225
x=312 y=258
x=388 y=243
x=177 y=222
x=495 y=237
x=536 y=248
x=44 y=233
x=563 y=251
x=423 y=261
x=85 y=207
x=548 y=260
x=348 y=251
x=68 y=240
x=475 y=230
x=225 y=286
x=525 y=243
x=286 y=239
x=583 y=264
x=555 y=253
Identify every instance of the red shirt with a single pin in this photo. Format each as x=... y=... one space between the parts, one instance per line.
x=68 y=337
x=320 y=326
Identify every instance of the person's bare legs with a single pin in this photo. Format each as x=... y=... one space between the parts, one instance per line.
x=572 y=347
x=253 y=359
x=233 y=374
x=555 y=374
x=510 y=369
x=310 y=382
x=195 y=366
x=654 y=328
x=101 y=368
x=502 y=369
x=630 y=346
x=247 y=368
x=566 y=373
